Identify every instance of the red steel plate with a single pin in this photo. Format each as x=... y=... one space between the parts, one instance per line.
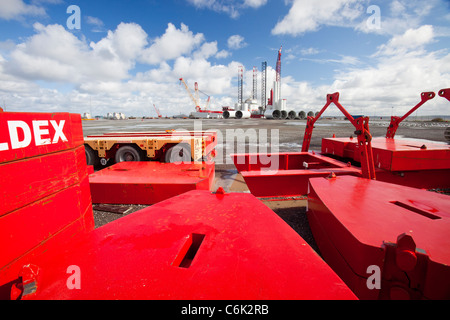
x=149 y=182
x=286 y=174
x=243 y=250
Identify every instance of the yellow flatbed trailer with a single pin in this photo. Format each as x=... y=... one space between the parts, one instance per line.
x=166 y=146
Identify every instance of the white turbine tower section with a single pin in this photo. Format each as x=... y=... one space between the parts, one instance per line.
x=277 y=106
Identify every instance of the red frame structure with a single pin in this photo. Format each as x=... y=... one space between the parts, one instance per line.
x=409 y=162
x=362 y=131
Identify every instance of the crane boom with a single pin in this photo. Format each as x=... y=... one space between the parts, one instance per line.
x=207 y=101
x=157 y=111
x=197 y=107
x=279 y=65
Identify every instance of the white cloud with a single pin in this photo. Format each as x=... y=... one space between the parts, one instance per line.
x=411 y=39
x=14 y=9
x=400 y=16
x=231 y=7
x=222 y=54
x=394 y=17
x=94 y=21
x=207 y=50
x=254 y=3
x=309 y=51
x=344 y=60
x=126 y=42
x=54 y=54
x=228 y=7
x=172 y=44
x=310 y=15
x=236 y=42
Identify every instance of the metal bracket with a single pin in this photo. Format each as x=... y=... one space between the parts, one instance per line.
x=404 y=270
x=395 y=121
x=28 y=284
x=445 y=93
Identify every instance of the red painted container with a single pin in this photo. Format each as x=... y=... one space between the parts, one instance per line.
x=149 y=182
x=360 y=225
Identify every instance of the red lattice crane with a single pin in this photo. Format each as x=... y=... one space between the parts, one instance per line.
x=157 y=111
x=278 y=68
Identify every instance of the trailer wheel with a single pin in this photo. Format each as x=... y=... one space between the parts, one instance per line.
x=128 y=153
x=91 y=156
x=181 y=153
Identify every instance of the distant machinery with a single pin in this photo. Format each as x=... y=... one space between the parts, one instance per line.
x=197 y=107
x=263 y=87
x=115 y=116
x=273 y=107
x=276 y=106
x=157 y=111
x=199 y=112
x=86 y=116
x=248 y=108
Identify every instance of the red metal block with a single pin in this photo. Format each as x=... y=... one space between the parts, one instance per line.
x=149 y=182
x=196 y=246
x=44 y=194
x=361 y=225
x=394 y=154
x=286 y=174
x=408 y=162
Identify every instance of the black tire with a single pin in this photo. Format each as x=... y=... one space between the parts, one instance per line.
x=181 y=153
x=91 y=156
x=129 y=153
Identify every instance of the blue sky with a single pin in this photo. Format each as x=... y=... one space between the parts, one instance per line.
x=128 y=55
